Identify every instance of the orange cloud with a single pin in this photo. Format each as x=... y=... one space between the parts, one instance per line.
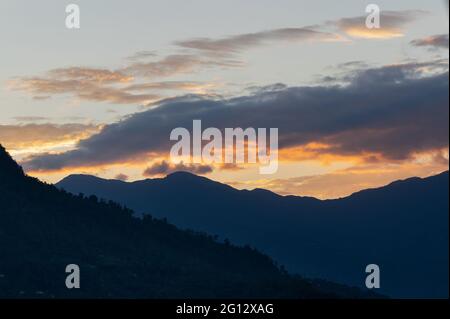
x=382 y=33
x=91 y=75
x=35 y=138
x=325 y=154
x=101 y=85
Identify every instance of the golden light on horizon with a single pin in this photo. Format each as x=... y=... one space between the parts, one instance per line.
x=366 y=33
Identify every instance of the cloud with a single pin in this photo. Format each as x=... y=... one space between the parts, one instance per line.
x=177 y=64
x=208 y=53
x=85 y=84
x=189 y=86
x=37 y=136
x=439 y=41
x=91 y=75
x=392 y=24
x=116 y=96
x=238 y=43
x=101 y=85
x=392 y=111
x=121 y=177
x=130 y=83
x=104 y=85
x=164 y=168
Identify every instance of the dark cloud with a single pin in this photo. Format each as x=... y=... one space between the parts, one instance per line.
x=395 y=110
x=439 y=41
x=266 y=88
x=395 y=74
x=165 y=168
x=100 y=86
x=121 y=177
x=352 y=65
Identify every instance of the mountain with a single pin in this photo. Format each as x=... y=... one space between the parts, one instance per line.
x=402 y=227
x=44 y=229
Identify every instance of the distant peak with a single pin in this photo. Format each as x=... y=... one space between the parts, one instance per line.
x=80 y=177
x=181 y=174
x=264 y=192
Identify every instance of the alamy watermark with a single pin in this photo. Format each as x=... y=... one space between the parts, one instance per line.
x=373 y=277
x=72 y=20
x=73 y=279
x=373 y=17
x=73 y=16
x=231 y=147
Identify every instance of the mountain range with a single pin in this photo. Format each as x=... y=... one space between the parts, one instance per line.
x=401 y=227
x=44 y=229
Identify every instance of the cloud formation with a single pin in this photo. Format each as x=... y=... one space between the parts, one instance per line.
x=392 y=24
x=24 y=136
x=177 y=64
x=83 y=83
x=439 y=41
x=121 y=177
x=164 y=168
x=139 y=81
x=238 y=43
x=101 y=85
x=393 y=112
x=90 y=75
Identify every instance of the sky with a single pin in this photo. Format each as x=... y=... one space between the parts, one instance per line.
x=355 y=107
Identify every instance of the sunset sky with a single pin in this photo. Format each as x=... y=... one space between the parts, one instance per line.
x=355 y=107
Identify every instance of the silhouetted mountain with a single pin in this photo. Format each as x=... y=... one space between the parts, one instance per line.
x=402 y=227
x=43 y=229
x=10 y=170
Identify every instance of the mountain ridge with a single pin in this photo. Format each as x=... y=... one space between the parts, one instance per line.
x=69 y=178
x=319 y=238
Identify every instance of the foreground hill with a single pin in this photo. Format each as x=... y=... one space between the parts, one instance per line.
x=402 y=227
x=43 y=229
